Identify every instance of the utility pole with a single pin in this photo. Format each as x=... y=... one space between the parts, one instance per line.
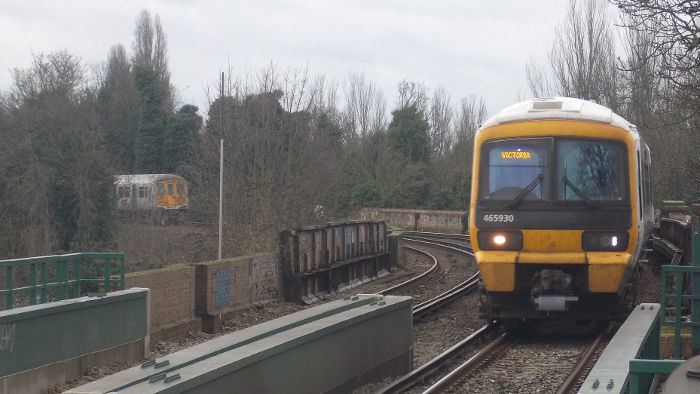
x=221 y=166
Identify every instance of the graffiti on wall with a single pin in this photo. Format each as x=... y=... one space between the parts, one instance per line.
x=223 y=287
x=7 y=337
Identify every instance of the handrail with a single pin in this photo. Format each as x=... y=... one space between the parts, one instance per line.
x=679 y=298
x=644 y=371
x=61 y=273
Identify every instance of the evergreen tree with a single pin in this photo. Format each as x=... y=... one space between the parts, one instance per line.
x=150 y=134
x=181 y=137
x=408 y=134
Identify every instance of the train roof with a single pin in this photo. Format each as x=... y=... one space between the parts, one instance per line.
x=145 y=178
x=559 y=108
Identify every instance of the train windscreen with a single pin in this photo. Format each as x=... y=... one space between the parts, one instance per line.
x=510 y=166
x=590 y=169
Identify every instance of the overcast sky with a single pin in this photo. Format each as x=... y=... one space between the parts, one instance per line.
x=470 y=47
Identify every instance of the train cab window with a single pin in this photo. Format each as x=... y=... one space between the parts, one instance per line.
x=124 y=192
x=160 y=189
x=143 y=191
x=511 y=167
x=180 y=189
x=590 y=171
x=170 y=189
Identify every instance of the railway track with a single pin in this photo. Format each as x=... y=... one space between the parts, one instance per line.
x=571 y=373
x=496 y=365
x=445 y=297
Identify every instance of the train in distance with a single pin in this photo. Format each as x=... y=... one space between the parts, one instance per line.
x=560 y=209
x=160 y=197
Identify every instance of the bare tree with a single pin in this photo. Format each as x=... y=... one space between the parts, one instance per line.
x=440 y=120
x=412 y=93
x=582 y=57
x=365 y=106
x=539 y=82
x=59 y=73
x=471 y=113
x=671 y=29
x=662 y=99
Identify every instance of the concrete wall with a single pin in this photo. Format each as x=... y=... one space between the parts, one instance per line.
x=332 y=348
x=417 y=219
x=48 y=344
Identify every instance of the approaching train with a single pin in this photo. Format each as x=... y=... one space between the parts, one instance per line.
x=560 y=209
x=162 y=197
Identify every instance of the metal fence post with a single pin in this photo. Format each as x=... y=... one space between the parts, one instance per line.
x=42 y=279
x=60 y=280
x=8 y=282
x=106 y=278
x=32 y=280
x=76 y=277
x=121 y=275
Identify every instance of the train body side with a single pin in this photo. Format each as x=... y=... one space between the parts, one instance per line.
x=151 y=192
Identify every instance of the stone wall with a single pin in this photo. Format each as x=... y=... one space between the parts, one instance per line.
x=418 y=219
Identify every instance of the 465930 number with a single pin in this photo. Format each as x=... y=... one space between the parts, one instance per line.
x=499 y=218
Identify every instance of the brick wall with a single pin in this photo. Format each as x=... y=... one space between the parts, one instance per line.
x=172 y=293
x=227 y=285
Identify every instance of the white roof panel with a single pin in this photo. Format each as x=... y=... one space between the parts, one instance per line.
x=553 y=108
x=144 y=178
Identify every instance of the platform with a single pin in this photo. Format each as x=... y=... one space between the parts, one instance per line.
x=611 y=373
x=333 y=347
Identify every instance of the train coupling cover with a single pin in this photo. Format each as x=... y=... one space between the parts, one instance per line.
x=553 y=303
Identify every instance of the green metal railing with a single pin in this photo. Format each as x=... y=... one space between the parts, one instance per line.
x=642 y=371
x=678 y=300
x=683 y=274
x=55 y=278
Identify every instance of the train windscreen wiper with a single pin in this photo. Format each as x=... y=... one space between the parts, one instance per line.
x=514 y=203
x=578 y=191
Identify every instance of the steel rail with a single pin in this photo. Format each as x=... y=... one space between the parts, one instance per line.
x=461 y=237
x=580 y=368
x=448 y=245
x=411 y=281
x=417 y=375
x=504 y=340
x=449 y=295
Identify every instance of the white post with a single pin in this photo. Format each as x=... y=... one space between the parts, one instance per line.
x=221 y=195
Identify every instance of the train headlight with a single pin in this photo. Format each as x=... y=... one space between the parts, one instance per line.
x=500 y=239
x=604 y=241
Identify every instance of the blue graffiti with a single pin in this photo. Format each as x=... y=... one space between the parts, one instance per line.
x=223 y=287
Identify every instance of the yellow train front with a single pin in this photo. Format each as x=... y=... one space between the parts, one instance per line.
x=560 y=209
